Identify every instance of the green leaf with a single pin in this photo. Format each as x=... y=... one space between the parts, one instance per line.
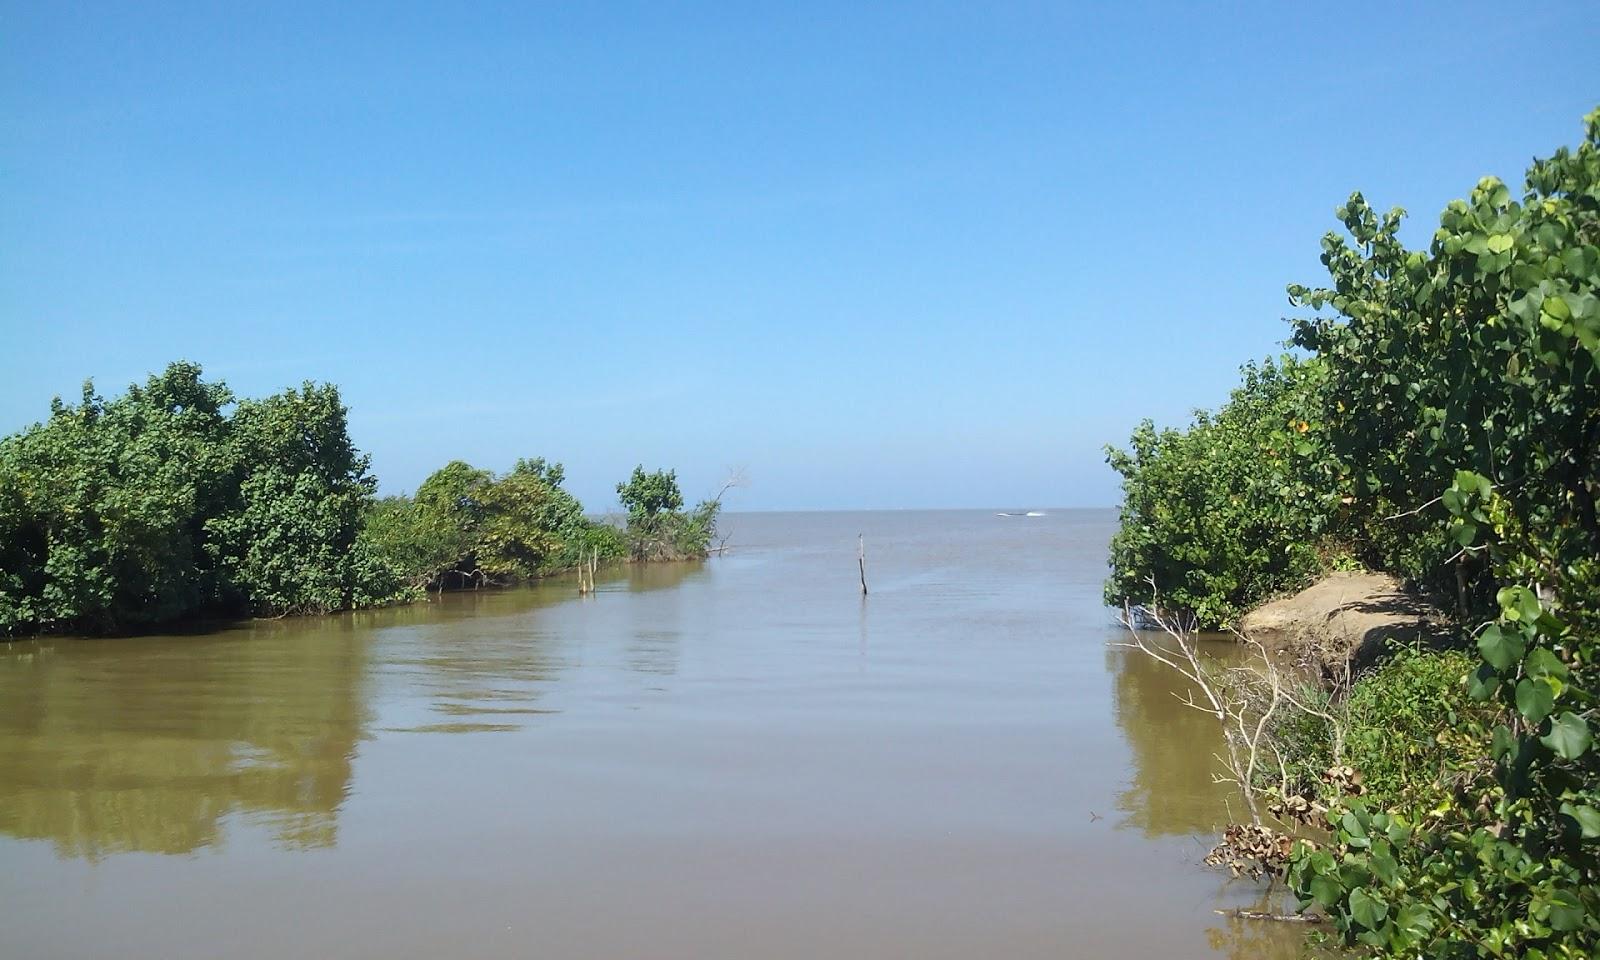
x=1469 y=482
x=1453 y=501
x=1503 y=743
x=1542 y=662
x=1499 y=648
x=1366 y=909
x=1499 y=243
x=1399 y=831
x=1518 y=603
x=1523 y=308
x=1588 y=336
x=1325 y=891
x=1569 y=736
x=1483 y=683
x=1535 y=699
x=1566 y=911
x=1587 y=818
x=1528 y=605
x=1416 y=919
x=1384 y=867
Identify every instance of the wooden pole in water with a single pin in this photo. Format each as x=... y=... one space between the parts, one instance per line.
x=861 y=561
x=587 y=562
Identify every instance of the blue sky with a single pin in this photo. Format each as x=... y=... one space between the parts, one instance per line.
x=876 y=255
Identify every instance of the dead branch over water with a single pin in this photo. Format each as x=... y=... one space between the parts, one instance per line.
x=1245 y=700
x=1239 y=913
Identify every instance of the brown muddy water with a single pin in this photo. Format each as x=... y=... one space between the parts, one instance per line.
x=742 y=758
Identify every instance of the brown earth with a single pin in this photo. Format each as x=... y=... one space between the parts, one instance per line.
x=1342 y=619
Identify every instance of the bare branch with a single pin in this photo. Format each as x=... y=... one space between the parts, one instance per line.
x=1247 y=700
x=1412 y=513
x=1242 y=914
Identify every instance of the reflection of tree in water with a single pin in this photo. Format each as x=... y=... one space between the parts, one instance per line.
x=150 y=744
x=479 y=675
x=644 y=577
x=1171 y=790
x=1174 y=748
x=654 y=636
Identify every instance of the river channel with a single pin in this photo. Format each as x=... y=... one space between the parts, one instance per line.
x=740 y=758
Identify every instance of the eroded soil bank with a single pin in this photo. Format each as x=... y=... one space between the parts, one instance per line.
x=1344 y=619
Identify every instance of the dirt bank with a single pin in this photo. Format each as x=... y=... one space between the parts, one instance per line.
x=1344 y=618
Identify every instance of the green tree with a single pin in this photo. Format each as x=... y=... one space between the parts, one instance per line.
x=658 y=528
x=175 y=501
x=1236 y=507
x=467 y=527
x=287 y=543
x=1464 y=388
x=647 y=495
x=1449 y=432
x=535 y=526
x=163 y=504
x=105 y=507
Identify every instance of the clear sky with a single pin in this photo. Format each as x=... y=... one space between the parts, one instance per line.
x=877 y=255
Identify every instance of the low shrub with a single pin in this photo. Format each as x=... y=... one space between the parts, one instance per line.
x=1237 y=507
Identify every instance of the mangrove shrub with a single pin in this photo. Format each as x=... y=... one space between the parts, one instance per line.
x=1464 y=386
x=1445 y=428
x=171 y=502
x=1236 y=507
x=467 y=527
x=658 y=528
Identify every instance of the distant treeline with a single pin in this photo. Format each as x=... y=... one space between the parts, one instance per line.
x=178 y=501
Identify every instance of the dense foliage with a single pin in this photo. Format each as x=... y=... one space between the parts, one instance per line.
x=1466 y=382
x=467 y=527
x=658 y=528
x=1232 y=509
x=1455 y=441
x=1408 y=726
x=1413 y=731
x=161 y=504
x=178 y=500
